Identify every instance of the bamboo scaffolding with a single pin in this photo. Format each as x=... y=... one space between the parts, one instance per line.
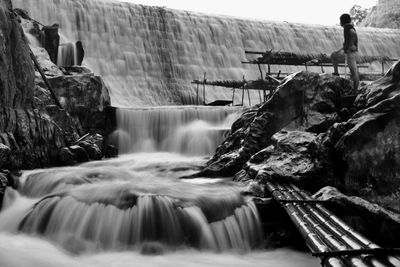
x=289 y=58
x=326 y=235
x=250 y=85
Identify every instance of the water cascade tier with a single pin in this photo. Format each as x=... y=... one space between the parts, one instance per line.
x=190 y=130
x=135 y=202
x=148 y=55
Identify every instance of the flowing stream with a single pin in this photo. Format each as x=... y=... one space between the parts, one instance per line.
x=135 y=209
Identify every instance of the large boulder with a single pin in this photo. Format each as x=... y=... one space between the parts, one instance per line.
x=369 y=143
x=292 y=157
x=304 y=100
x=84 y=96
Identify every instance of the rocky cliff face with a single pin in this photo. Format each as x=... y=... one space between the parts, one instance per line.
x=16 y=68
x=32 y=129
x=386 y=14
x=312 y=134
x=369 y=142
x=303 y=101
x=28 y=136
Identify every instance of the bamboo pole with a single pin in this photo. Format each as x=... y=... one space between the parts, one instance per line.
x=204 y=88
x=313 y=241
x=333 y=242
x=36 y=63
x=243 y=88
x=248 y=91
x=197 y=93
x=335 y=235
x=342 y=226
x=233 y=96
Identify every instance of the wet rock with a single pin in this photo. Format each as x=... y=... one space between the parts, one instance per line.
x=80 y=154
x=384 y=88
x=92 y=150
x=110 y=151
x=66 y=156
x=5 y=152
x=31 y=135
x=3 y=185
x=368 y=144
x=152 y=248
x=16 y=67
x=84 y=96
x=49 y=68
x=370 y=219
x=292 y=157
x=303 y=101
x=51 y=40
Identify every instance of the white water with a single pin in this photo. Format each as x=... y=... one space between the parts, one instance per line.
x=29 y=252
x=149 y=55
x=113 y=213
x=194 y=130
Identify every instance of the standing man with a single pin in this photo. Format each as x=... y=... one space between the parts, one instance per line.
x=349 y=51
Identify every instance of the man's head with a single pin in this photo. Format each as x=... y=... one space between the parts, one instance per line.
x=345 y=19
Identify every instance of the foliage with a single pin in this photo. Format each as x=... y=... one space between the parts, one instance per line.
x=358 y=14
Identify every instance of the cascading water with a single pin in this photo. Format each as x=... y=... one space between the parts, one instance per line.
x=149 y=55
x=192 y=130
x=110 y=213
x=128 y=207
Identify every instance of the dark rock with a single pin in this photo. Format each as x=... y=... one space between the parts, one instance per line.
x=51 y=40
x=66 y=157
x=5 y=152
x=292 y=157
x=49 y=68
x=33 y=138
x=79 y=153
x=371 y=220
x=110 y=151
x=84 y=96
x=3 y=185
x=92 y=150
x=152 y=248
x=16 y=67
x=304 y=101
x=379 y=90
x=367 y=146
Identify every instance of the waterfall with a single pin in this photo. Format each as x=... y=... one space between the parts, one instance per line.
x=122 y=205
x=148 y=55
x=185 y=130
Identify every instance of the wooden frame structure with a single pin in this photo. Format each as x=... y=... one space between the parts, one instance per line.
x=268 y=83
x=271 y=57
x=244 y=85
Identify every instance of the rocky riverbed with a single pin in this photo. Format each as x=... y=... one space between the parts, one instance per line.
x=314 y=134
